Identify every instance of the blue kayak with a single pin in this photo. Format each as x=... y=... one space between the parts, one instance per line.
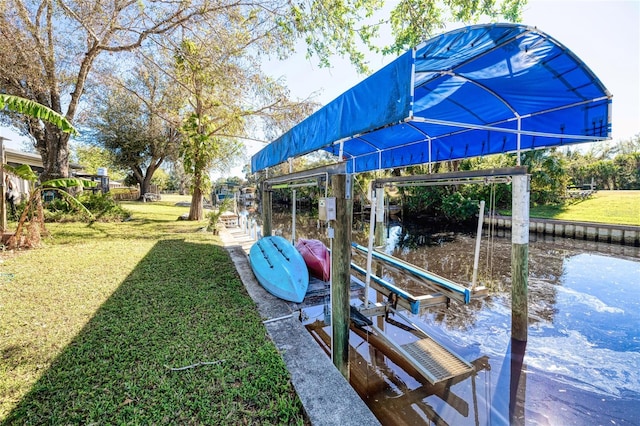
x=279 y=268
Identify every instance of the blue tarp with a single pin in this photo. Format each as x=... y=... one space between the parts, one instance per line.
x=478 y=90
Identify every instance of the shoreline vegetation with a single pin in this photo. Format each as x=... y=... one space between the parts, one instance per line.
x=98 y=325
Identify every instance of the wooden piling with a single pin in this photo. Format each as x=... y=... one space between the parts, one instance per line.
x=519 y=257
x=517 y=384
x=341 y=274
x=379 y=241
x=267 y=197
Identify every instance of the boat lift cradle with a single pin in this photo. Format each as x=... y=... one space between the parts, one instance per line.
x=440 y=284
x=431 y=359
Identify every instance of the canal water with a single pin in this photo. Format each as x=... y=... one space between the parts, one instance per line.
x=580 y=365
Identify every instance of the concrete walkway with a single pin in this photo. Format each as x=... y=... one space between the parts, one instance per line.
x=327 y=397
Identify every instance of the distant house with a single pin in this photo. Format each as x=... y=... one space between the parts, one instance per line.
x=248 y=197
x=224 y=190
x=16 y=158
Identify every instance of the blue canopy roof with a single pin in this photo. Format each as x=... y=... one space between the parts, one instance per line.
x=478 y=90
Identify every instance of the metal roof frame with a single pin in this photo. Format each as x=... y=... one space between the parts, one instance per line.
x=474 y=91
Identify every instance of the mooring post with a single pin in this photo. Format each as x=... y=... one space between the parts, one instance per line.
x=379 y=241
x=267 y=195
x=519 y=256
x=341 y=273
x=517 y=384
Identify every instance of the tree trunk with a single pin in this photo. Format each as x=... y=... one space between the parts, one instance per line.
x=53 y=146
x=195 y=211
x=145 y=184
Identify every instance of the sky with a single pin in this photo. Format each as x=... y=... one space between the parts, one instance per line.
x=604 y=34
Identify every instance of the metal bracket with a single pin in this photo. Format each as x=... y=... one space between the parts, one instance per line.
x=347 y=186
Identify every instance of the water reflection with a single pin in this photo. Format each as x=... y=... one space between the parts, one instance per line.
x=581 y=364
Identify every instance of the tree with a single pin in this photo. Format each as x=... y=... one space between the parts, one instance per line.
x=607 y=165
x=49 y=48
x=227 y=98
x=34 y=111
x=33 y=206
x=134 y=123
x=33 y=210
x=604 y=173
x=627 y=163
x=160 y=179
x=549 y=178
x=630 y=146
x=343 y=26
x=213 y=115
x=59 y=44
x=178 y=181
x=91 y=158
x=628 y=166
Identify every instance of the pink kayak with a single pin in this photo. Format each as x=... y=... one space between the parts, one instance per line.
x=316 y=256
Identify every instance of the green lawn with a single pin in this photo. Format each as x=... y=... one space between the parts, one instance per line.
x=616 y=207
x=92 y=324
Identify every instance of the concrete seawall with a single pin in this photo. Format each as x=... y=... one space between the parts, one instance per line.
x=601 y=232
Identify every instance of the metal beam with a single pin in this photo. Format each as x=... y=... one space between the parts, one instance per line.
x=330 y=170
x=472 y=126
x=438 y=177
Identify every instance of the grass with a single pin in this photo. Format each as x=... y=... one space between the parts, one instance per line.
x=92 y=323
x=616 y=207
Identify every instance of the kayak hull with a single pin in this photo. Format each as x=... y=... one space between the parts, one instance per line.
x=279 y=268
x=317 y=257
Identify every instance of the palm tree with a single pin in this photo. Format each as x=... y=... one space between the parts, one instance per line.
x=34 y=204
x=34 y=210
x=36 y=110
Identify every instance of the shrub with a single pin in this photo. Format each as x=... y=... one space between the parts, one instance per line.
x=458 y=208
x=102 y=207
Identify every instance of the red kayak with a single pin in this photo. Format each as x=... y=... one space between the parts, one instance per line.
x=316 y=256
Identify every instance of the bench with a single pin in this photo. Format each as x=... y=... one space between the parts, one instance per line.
x=150 y=196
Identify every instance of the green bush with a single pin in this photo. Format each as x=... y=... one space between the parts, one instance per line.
x=102 y=207
x=457 y=207
x=450 y=203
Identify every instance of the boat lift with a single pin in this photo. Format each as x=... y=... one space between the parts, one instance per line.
x=431 y=359
x=444 y=289
x=440 y=284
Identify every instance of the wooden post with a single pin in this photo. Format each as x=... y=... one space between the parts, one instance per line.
x=267 y=196
x=517 y=384
x=379 y=241
x=341 y=274
x=519 y=257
